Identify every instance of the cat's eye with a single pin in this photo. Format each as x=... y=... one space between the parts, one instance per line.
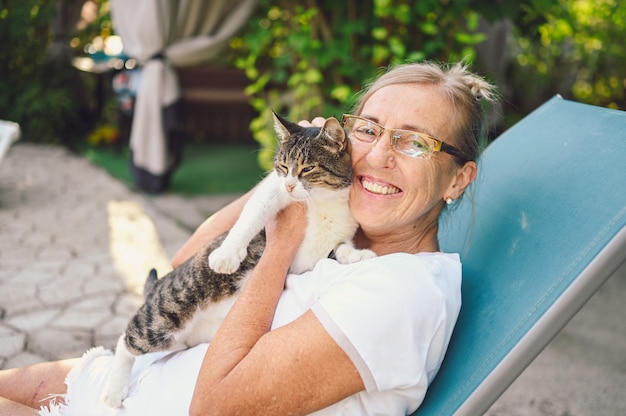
x=283 y=167
x=307 y=169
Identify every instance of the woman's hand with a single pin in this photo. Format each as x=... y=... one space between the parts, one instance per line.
x=285 y=232
x=316 y=122
x=295 y=369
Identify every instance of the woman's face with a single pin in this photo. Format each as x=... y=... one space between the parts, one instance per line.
x=392 y=192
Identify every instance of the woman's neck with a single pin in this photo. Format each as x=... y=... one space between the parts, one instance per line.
x=411 y=241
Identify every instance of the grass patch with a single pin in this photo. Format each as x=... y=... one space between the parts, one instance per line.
x=205 y=169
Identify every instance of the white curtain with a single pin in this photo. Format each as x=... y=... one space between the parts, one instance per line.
x=160 y=35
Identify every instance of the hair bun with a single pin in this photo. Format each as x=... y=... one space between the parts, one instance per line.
x=480 y=88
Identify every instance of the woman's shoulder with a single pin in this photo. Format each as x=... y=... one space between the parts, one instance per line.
x=388 y=309
x=403 y=260
x=426 y=259
x=398 y=276
x=417 y=268
x=432 y=279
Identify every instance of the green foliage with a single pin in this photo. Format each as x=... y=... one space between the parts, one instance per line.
x=575 y=47
x=310 y=58
x=32 y=90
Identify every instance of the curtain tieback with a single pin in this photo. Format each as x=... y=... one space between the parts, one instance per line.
x=157 y=56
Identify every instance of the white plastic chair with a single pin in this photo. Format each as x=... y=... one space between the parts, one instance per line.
x=9 y=133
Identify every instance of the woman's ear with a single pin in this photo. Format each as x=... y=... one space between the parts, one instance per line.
x=463 y=177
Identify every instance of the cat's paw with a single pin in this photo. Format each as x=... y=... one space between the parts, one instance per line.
x=115 y=395
x=225 y=260
x=346 y=254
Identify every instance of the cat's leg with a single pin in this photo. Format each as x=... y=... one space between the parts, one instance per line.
x=263 y=204
x=117 y=387
x=346 y=253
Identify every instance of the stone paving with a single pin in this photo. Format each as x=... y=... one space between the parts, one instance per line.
x=76 y=245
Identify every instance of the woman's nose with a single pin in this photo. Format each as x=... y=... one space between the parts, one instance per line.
x=381 y=152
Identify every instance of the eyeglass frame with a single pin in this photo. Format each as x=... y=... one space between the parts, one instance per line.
x=439 y=145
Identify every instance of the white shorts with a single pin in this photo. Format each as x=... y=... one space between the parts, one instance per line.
x=160 y=384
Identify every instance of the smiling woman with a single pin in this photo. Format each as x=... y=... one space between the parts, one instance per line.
x=361 y=338
x=391 y=180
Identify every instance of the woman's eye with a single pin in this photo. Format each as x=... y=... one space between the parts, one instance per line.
x=366 y=131
x=410 y=141
x=418 y=144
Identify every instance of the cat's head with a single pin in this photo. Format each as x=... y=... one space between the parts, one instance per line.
x=312 y=159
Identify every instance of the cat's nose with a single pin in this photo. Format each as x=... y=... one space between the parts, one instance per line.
x=290 y=187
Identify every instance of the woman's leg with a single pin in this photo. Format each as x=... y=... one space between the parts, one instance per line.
x=32 y=386
x=7 y=407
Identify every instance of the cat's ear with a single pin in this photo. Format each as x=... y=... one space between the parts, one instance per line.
x=283 y=128
x=333 y=130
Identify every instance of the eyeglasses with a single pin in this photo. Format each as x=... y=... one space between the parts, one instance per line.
x=407 y=142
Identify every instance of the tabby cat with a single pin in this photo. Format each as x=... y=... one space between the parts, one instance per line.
x=185 y=307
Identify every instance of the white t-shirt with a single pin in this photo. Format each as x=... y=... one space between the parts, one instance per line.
x=393 y=316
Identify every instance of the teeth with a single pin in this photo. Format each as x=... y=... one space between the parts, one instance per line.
x=379 y=189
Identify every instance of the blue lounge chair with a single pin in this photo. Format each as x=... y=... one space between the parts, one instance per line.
x=541 y=229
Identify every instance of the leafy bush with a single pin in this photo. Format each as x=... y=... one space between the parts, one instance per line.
x=33 y=91
x=310 y=58
x=575 y=48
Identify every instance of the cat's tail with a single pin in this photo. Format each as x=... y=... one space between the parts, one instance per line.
x=150 y=282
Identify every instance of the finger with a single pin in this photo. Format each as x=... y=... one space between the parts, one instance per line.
x=318 y=121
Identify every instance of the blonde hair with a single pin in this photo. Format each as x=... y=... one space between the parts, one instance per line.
x=465 y=90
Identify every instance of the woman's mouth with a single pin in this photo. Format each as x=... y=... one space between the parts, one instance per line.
x=378 y=188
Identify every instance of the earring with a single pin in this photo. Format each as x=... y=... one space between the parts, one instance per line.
x=449 y=201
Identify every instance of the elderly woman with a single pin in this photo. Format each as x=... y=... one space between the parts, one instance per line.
x=364 y=338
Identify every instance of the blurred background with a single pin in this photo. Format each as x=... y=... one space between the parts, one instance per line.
x=68 y=77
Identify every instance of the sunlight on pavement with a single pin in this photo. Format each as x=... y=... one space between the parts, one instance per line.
x=134 y=244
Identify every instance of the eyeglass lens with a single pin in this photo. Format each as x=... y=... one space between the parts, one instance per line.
x=404 y=141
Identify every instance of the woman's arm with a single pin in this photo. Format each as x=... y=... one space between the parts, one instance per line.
x=25 y=389
x=295 y=369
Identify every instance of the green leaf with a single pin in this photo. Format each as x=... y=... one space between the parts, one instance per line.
x=429 y=28
x=470 y=38
x=397 y=46
x=313 y=76
x=379 y=33
x=341 y=93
